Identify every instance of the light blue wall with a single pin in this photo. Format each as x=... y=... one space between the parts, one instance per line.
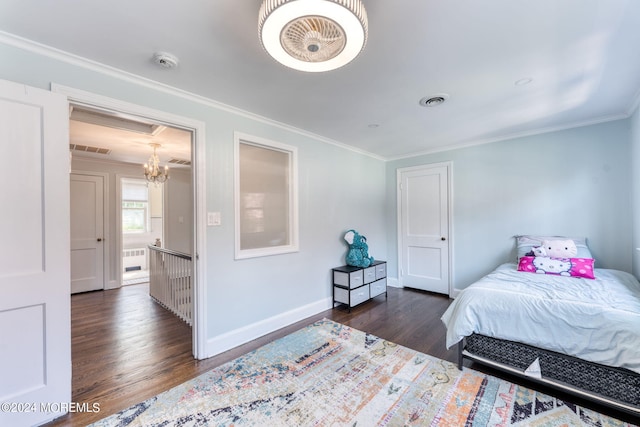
x=338 y=189
x=574 y=182
x=635 y=185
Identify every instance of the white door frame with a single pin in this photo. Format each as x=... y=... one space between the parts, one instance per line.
x=105 y=220
x=399 y=172
x=197 y=128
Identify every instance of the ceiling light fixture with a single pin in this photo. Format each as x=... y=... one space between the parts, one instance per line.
x=313 y=35
x=152 y=171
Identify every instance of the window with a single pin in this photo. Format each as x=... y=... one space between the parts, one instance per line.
x=266 y=197
x=135 y=206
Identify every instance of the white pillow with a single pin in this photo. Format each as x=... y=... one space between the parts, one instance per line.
x=526 y=243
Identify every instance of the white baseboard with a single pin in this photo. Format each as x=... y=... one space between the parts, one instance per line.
x=113 y=284
x=394 y=282
x=231 y=339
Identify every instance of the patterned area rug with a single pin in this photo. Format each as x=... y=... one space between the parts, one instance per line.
x=329 y=374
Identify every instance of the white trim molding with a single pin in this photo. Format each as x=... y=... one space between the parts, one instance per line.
x=80 y=97
x=243 y=335
x=69 y=58
x=291 y=205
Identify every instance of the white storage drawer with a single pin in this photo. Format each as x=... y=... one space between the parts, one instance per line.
x=355 y=285
x=378 y=287
x=348 y=280
x=351 y=297
x=369 y=274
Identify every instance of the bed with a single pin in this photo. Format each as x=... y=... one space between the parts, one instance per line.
x=577 y=334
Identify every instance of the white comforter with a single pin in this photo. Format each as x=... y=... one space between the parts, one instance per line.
x=595 y=320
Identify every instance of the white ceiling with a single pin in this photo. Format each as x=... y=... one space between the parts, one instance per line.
x=130 y=147
x=582 y=55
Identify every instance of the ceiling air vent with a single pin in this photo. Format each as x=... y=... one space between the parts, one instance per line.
x=434 y=100
x=87 y=149
x=180 y=162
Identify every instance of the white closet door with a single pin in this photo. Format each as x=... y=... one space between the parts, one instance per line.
x=87 y=233
x=424 y=228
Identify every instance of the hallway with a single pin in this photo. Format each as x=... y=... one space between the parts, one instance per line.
x=123 y=346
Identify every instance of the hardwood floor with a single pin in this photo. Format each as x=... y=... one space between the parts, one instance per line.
x=126 y=348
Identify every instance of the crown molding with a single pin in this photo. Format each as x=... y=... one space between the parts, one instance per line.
x=69 y=58
x=63 y=56
x=515 y=135
x=634 y=105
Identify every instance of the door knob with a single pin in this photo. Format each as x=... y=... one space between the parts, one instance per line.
x=99 y=239
x=443 y=238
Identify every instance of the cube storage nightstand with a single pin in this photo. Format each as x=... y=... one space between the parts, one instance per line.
x=355 y=285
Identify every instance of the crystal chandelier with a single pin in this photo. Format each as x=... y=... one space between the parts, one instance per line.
x=313 y=35
x=152 y=170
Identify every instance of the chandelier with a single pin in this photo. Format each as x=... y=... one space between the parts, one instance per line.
x=152 y=171
x=313 y=35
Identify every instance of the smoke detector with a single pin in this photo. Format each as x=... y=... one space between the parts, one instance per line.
x=165 y=60
x=434 y=100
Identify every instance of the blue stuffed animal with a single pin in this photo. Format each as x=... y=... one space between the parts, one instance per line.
x=358 y=255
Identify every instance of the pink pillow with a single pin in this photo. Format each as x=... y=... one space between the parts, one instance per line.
x=573 y=267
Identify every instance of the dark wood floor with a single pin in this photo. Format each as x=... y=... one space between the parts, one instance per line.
x=126 y=348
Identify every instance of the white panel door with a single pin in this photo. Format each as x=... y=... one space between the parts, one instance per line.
x=87 y=230
x=35 y=323
x=424 y=228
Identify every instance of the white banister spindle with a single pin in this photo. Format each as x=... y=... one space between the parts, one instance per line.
x=170 y=281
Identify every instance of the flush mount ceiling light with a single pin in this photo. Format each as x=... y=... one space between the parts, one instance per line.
x=313 y=35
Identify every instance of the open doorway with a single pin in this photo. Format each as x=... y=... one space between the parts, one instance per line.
x=141 y=207
x=140 y=212
x=185 y=205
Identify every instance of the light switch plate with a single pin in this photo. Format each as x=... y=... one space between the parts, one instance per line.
x=213 y=218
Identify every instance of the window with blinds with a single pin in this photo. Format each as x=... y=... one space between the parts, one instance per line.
x=266 y=197
x=135 y=206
